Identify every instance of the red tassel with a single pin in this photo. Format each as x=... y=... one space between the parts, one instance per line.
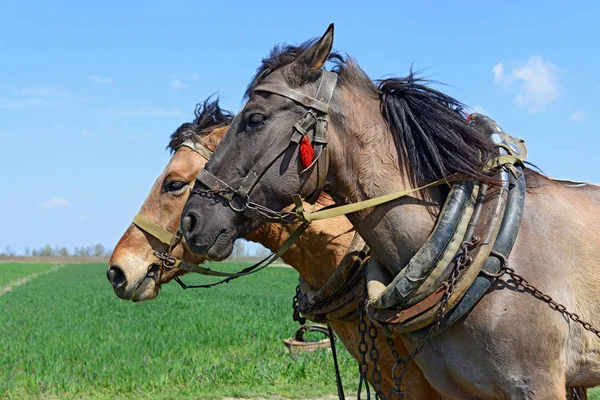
x=469 y=118
x=307 y=153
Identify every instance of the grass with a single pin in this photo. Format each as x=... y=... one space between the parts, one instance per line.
x=10 y=272
x=66 y=335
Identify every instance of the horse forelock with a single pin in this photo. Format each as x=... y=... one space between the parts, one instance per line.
x=208 y=117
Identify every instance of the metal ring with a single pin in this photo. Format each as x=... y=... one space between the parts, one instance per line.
x=243 y=207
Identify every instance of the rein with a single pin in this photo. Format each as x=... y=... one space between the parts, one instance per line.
x=172 y=240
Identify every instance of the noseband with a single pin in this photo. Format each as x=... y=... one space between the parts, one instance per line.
x=172 y=240
x=237 y=193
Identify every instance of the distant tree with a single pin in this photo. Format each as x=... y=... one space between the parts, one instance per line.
x=76 y=251
x=27 y=251
x=99 y=250
x=239 y=250
x=35 y=253
x=9 y=252
x=63 y=252
x=261 y=252
x=46 y=251
x=87 y=251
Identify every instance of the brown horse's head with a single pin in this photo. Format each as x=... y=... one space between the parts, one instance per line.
x=134 y=270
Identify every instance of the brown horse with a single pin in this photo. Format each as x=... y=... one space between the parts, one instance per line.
x=398 y=135
x=137 y=275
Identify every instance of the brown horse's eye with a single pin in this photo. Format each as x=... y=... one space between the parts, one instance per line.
x=256 y=120
x=173 y=186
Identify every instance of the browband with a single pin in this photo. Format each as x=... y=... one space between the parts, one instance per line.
x=237 y=192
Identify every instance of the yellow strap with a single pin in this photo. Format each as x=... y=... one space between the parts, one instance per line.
x=361 y=205
x=153 y=229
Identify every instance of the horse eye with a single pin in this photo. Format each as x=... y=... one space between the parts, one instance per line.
x=256 y=120
x=173 y=186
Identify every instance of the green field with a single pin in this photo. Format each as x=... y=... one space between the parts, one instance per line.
x=11 y=272
x=66 y=335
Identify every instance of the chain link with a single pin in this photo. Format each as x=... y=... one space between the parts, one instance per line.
x=401 y=364
x=282 y=217
x=520 y=281
x=374 y=356
x=363 y=367
x=209 y=193
x=297 y=316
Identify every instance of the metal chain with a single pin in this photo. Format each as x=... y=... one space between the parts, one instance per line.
x=401 y=364
x=374 y=356
x=209 y=193
x=363 y=367
x=282 y=217
x=520 y=281
x=297 y=316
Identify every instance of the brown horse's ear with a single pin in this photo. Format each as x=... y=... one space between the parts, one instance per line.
x=313 y=58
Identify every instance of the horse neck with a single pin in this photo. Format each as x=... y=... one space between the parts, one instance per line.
x=364 y=165
x=316 y=254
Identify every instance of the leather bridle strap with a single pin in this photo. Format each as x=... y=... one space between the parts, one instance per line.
x=237 y=193
x=199 y=148
x=319 y=140
x=172 y=239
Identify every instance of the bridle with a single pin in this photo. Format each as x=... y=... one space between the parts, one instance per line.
x=237 y=193
x=172 y=240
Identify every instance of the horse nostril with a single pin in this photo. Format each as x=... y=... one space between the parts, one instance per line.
x=188 y=223
x=116 y=276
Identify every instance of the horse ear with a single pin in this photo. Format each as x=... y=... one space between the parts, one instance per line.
x=313 y=58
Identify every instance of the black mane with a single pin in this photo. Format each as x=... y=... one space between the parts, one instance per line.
x=431 y=131
x=208 y=116
x=432 y=135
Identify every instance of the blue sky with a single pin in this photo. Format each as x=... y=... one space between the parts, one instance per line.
x=90 y=91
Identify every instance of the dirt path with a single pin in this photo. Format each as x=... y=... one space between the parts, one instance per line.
x=28 y=278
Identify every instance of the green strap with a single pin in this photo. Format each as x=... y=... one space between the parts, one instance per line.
x=308 y=217
x=153 y=229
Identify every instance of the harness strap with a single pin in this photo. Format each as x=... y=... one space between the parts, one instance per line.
x=238 y=193
x=154 y=229
x=187 y=266
x=295 y=95
x=361 y=205
x=199 y=148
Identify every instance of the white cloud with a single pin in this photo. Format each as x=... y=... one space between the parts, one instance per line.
x=178 y=81
x=86 y=133
x=57 y=202
x=498 y=71
x=480 y=110
x=43 y=92
x=8 y=103
x=29 y=98
x=148 y=111
x=578 y=116
x=99 y=79
x=177 y=84
x=537 y=82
